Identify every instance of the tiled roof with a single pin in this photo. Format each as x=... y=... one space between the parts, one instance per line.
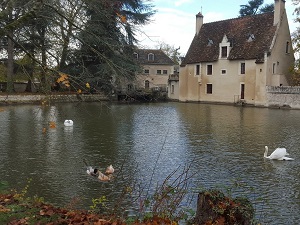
x=160 y=58
x=238 y=31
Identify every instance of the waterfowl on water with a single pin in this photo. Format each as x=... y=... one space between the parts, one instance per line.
x=68 y=123
x=277 y=154
x=91 y=171
x=103 y=177
x=110 y=170
x=96 y=172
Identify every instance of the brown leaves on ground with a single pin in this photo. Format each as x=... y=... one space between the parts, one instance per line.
x=157 y=221
x=45 y=214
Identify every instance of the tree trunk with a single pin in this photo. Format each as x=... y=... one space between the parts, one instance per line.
x=10 y=62
x=215 y=208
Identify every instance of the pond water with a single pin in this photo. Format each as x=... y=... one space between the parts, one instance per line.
x=221 y=146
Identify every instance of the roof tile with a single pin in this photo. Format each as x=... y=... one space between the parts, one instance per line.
x=160 y=58
x=237 y=31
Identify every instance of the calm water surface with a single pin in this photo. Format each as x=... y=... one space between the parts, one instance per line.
x=222 y=145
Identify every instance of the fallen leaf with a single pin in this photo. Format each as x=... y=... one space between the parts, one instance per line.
x=3 y=209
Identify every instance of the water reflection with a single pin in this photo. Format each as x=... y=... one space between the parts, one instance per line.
x=223 y=145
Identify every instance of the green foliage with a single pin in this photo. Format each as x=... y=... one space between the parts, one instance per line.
x=98 y=203
x=267 y=8
x=21 y=196
x=107 y=42
x=255 y=7
x=3 y=72
x=295 y=79
x=90 y=40
x=296 y=39
x=3 y=186
x=295 y=74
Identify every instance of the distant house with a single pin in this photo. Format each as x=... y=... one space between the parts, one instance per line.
x=151 y=80
x=235 y=60
x=157 y=67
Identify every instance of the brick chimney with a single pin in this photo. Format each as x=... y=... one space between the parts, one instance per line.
x=279 y=9
x=199 y=22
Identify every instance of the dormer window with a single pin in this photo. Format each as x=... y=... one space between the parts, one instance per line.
x=210 y=42
x=225 y=47
x=251 y=38
x=224 y=52
x=135 y=55
x=150 y=57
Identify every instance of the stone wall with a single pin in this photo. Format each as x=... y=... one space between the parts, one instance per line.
x=36 y=98
x=283 y=97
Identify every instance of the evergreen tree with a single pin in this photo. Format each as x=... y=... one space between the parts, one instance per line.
x=108 y=40
x=13 y=16
x=255 y=7
x=92 y=40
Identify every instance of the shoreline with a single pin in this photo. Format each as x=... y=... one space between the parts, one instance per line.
x=33 y=98
x=64 y=97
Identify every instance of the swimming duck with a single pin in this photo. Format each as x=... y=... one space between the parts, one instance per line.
x=109 y=170
x=68 y=123
x=102 y=176
x=91 y=171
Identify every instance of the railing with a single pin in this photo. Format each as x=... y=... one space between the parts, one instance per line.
x=236 y=98
x=135 y=90
x=173 y=77
x=160 y=87
x=283 y=89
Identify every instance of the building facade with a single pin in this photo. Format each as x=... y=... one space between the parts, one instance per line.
x=235 y=60
x=156 y=68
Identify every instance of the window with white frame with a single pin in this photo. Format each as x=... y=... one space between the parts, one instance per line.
x=197 y=69
x=242 y=67
x=165 y=71
x=146 y=71
x=209 y=69
x=209 y=88
x=224 y=52
x=224 y=48
x=158 y=71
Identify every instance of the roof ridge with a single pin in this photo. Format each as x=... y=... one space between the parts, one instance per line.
x=239 y=18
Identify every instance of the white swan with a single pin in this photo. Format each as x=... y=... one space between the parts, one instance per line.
x=278 y=154
x=109 y=170
x=68 y=123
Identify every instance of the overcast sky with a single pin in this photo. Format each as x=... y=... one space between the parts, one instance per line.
x=174 y=22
